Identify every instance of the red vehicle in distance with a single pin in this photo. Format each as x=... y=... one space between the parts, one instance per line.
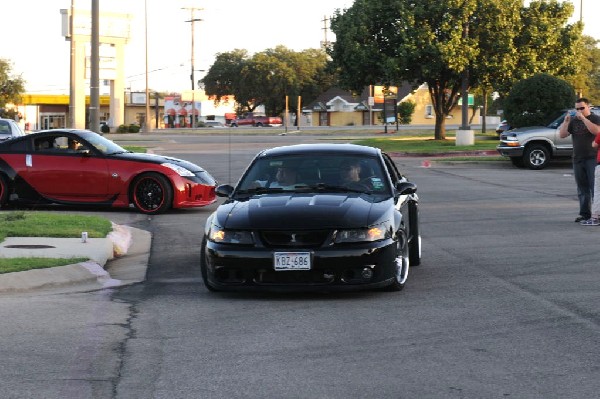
x=250 y=119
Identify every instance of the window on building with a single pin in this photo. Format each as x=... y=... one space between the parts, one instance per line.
x=429 y=111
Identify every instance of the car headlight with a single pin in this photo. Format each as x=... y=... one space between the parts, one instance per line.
x=370 y=234
x=221 y=235
x=181 y=171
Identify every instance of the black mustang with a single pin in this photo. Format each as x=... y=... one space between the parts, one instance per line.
x=318 y=217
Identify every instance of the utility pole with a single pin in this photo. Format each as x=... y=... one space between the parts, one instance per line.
x=191 y=21
x=95 y=69
x=325 y=42
x=72 y=67
x=147 y=126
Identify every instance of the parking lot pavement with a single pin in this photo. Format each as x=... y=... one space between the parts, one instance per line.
x=119 y=259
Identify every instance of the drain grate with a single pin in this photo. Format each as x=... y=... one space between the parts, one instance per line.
x=29 y=246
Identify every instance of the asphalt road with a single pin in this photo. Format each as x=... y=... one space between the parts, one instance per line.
x=505 y=304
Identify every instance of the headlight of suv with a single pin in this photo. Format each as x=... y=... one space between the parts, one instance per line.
x=178 y=169
x=221 y=235
x=370 y=234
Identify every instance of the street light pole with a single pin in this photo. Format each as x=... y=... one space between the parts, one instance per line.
x=95 y=69
x=147 y=125
x=192 y=20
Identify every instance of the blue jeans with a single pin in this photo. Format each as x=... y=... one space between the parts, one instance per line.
x=583 y=170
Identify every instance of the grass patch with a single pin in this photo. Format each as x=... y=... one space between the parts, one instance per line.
x=483 y=158
x=12 y=265
x=419 y=145
x=135 y=148
x=40 y=224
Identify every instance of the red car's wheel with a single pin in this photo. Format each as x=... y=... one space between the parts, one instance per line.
x=3 y=191
x=151 y=193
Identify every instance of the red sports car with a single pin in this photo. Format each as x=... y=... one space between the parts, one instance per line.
x=79 y=167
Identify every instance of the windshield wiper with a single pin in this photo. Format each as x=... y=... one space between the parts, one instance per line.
x=119 y=152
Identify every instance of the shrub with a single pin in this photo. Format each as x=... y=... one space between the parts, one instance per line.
x=133 y=128
x=122 y=129
x=536 y=100
x=406 y=109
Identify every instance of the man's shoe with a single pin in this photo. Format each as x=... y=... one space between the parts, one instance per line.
x=579 y=219
x=590 y=222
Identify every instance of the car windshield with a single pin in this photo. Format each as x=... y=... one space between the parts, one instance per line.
x=103 y=145
x=346 y=173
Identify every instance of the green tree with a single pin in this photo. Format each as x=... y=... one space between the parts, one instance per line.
x=390 y=41
x=535 y=101
x=546 y=43
x=11 y=87
x=224 y=78
x=587 y=81
x=268 y=77
x=406 y=109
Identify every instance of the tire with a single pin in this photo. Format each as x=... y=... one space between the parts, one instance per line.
x=537 y=156
x=519 y=162
x=3 y=191
x=414 y=247
x=151 y=193
x=259 y=124
x=234 y=125
x=203 y=267
x=402 y=265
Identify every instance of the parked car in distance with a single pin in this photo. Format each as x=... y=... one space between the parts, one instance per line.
x=250 y=119
x=346 y=220
x=502 y=127
x=80 y=167
x=216 y=124
x=10 y=129
x=534 y=147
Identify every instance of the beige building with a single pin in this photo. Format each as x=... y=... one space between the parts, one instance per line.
x=337 y=107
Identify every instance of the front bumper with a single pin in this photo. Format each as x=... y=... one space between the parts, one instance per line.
x=510 y=151
x=189 y=193
x=341 y=268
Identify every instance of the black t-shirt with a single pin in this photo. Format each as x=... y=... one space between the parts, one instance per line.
x=582 y=138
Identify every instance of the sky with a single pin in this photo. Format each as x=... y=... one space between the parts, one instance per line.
x=34 y=44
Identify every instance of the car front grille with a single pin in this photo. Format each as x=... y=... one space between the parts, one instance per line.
x=294 y=239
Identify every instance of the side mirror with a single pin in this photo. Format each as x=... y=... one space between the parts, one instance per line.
x=406 y=188
x=224 y=190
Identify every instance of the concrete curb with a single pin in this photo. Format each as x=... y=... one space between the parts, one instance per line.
x=124 y=252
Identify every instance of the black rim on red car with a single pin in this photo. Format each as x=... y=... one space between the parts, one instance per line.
x=151 y=193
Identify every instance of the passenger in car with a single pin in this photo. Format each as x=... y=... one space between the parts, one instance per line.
x=350 y=171
x=73 y=146
x=286 y=176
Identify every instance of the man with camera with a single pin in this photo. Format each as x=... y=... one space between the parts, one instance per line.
x=583 y=126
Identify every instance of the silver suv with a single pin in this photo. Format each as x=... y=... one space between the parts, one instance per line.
x=9 y=129
x=535 y=146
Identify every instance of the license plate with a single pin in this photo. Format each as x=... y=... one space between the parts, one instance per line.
x=291 y=261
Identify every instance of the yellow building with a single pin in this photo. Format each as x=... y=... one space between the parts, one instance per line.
x=337 y=107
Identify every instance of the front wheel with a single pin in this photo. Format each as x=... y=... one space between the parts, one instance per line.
x=414 y=248
x=204 y=266
x=151 y=193
x=537 y=156
x=401 y=266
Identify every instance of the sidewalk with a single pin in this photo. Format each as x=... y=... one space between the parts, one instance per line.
x=119 y=259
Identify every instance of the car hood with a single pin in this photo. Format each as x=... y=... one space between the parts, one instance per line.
x=158 y=159
x=305 y=211
x=530 y=129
